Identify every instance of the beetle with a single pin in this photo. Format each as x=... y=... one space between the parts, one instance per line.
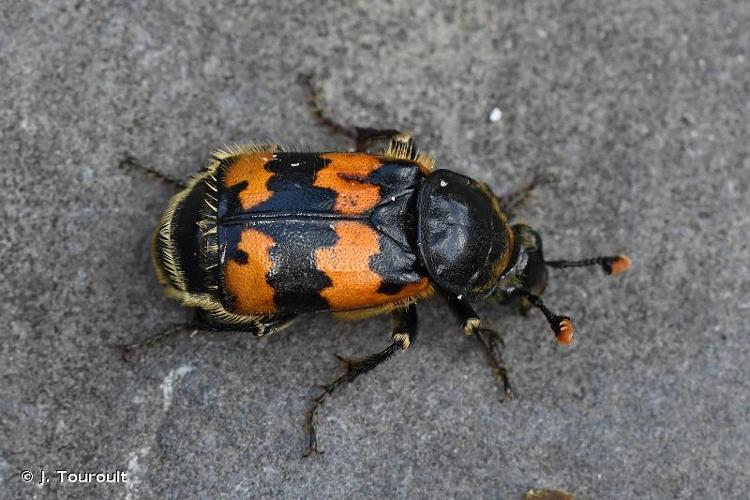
x=262 y=235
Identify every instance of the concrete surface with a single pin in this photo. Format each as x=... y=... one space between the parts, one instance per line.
x=639 y=110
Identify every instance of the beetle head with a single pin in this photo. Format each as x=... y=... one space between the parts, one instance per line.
x=525 y=278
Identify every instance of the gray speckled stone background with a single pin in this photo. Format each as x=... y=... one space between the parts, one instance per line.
x=639 y=110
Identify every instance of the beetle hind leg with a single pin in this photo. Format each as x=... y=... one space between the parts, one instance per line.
x=364 y=137
x=404 y=332
x=127 y=350
x=400 y=143
x=204 y=323
x=130 y=162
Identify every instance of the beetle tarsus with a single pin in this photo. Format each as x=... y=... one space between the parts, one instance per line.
x=490 y=340
x=312 y=447
x=312 y=451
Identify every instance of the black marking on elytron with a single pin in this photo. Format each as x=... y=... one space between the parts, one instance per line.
x=229 y=201
x=391 y=288
x=294 y=274
x=292 y=185
x=240 y=257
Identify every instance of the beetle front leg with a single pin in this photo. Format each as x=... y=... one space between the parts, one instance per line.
x=513 y=201
x=490 y=340
x=404 y=332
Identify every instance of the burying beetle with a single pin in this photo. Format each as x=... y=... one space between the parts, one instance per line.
x=263 y=235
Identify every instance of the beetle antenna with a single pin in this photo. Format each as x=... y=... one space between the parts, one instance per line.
x=612 y=265
x=562 y=326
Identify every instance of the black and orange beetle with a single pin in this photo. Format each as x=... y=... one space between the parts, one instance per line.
x=263 y=235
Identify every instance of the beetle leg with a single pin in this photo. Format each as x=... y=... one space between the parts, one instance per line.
x=493 y=345
x=404 y=332
x=397 y=140
x=513 y=201
x=490 y=340
x=202 y=323
x=271 y=326
x=259 y=326
x=129 y=161
x=363 y=137
x=126 y=350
